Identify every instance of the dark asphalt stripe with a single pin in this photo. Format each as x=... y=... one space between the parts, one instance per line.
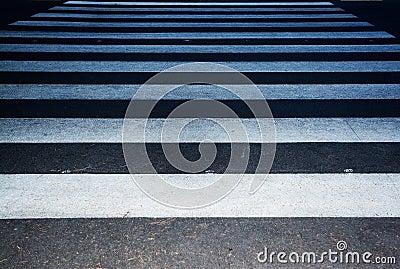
x=139 y=78
x=264 y=56
x=280 y=108
x=108 y=158
x=209 y=242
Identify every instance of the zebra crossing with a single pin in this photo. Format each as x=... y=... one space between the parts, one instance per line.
x=330 y=79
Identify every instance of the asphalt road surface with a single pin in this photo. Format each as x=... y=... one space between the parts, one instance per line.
x=330 y=74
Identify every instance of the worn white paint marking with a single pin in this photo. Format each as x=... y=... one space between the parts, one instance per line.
x=253 y=67
x=198 y=35
x=194 y=16
x=376 y=129
x=199 y=10
x=188 y=92
x=198 y=3
x=192 y=24
x=288 y=130
x=198 y=48
x=282 y=195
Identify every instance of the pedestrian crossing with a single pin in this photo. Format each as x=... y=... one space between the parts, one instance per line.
x=67 y=76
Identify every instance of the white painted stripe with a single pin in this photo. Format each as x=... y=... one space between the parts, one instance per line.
x=191 y=25
x=282 y=195
x=288 y=130
x=200 y=35
x=198 y=10
x=197 y=48
x=254 y=67
x=199 y=3
x=270 y=92
x=194 y=16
